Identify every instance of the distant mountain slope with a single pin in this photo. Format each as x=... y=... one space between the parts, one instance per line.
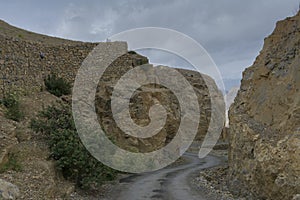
x=229 y=99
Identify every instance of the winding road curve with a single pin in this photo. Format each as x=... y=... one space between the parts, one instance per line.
x=171 y=183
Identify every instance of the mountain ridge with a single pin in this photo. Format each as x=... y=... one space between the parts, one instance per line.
x=8 y=30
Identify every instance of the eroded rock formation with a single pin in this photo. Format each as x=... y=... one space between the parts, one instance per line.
x=147 y=96
x=264 y=155
x=23 y=69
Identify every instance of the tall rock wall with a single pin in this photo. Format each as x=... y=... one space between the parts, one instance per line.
x=22 y=68
x=147 y=96
x=264 y=155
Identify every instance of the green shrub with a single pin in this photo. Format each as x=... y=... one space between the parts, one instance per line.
x=14 y=112
x=132 y=52
x=71 y=156
x=11 y=164
x=57 y=86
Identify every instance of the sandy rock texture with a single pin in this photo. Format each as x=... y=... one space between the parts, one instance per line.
x=264 y=156
x=145 y=97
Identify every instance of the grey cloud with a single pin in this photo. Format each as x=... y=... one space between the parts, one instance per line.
x=232 y=31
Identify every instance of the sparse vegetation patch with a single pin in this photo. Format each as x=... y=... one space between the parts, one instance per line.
x=57 y=85
x=12 y=103
x=71 y=157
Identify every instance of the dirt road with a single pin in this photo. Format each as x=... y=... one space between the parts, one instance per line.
x=171 y=183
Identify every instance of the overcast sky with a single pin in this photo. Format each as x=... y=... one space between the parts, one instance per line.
x=231 y=31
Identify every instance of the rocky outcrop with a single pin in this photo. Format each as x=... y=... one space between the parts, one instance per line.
x=8 y=190
x=27 y=58
x=23 y=68
x=229 y=99
x=264 y=155
x=145 y=97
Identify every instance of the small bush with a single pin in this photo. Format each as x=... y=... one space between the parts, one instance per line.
x=57 y=86
x=11 y=102
x=132 y=52
x=71 y=156
x=11 y=164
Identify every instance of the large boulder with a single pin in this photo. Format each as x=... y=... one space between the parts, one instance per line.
x=8 y=190
x=264 y=155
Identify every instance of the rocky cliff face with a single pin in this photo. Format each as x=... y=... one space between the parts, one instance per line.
x=22 y=69
x=146 y=97
x=264 y=155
